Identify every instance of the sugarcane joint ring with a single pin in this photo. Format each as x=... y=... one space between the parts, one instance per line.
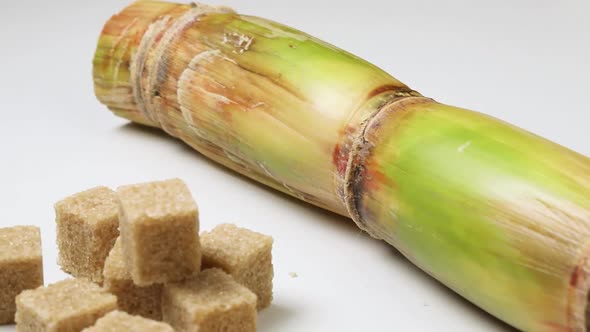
x=149 y=65
x=361 y=151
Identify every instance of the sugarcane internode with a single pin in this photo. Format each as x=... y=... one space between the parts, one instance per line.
x=497 y=214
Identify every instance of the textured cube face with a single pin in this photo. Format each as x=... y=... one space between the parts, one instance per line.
x=21 y=266
x=69 y=305
x=87 y=226
x=244 y=254
x=121 y=321
x=210 y=302
x=135 y=300
x=159 y=231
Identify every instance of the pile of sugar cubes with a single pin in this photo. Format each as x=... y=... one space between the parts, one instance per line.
x=140 y=265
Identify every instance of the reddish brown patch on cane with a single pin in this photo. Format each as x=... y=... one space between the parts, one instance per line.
x=552 y=326
x=338 y=160
x=575 y=277
x=383 y=88
x=374 y=179
x=578 y=281
x=341 y=152
x=159 y=37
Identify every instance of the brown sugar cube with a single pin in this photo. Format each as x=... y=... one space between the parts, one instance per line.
x=159 y=231
x=21 y=266
x=69 y=305
x=118 y=321
x=211 y=302
x=136 y=300
x=244 y=254
x=87 y=226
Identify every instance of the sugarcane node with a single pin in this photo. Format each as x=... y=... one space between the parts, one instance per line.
x=398 y=91
x=360 y=152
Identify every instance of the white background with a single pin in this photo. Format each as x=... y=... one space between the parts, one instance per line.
x=525 y=61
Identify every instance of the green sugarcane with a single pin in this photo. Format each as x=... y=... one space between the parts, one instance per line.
x=499 y=215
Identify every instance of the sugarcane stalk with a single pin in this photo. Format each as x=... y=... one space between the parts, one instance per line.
x=497 y=214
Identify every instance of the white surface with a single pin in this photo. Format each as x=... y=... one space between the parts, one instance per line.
x=523 y=61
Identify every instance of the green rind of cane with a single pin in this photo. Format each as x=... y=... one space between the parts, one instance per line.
x=492 y=211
